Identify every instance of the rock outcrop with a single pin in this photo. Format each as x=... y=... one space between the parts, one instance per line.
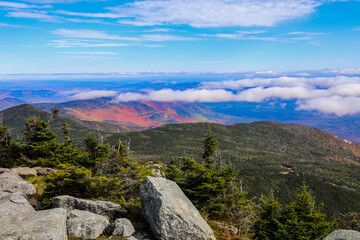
x=170 y=214
x=25 y=171
x=43 y=170
x=12 y=182
x=123 y=228
x=14 y=204
x=109 y=209
x=41 y=225
x=85 y=224
x=343 y=235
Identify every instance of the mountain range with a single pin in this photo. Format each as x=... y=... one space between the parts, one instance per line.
x=145 y=114
x=140 y=114
x=268 y=155
x=14 y=118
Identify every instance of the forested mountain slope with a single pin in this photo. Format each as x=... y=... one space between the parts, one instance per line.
x=14 y=118
x=268 y=155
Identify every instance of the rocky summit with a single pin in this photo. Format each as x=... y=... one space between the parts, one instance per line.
x=170 y=214
x=109 y=209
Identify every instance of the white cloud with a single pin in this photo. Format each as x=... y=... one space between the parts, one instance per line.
x=91 y=94
x=89 y=34
x=334 y=105
x=305 y=33
x=190 y=95
x=260 y=94
x=221 y=95
x=165 y=37
x=314 y=82
x=93 y=34
x=90 y=53
x=93 y=15
x=338 y=95
x=60 y=1
x=254 y=35
x=239 y=36
x=159 y=30
x=214 y=13
x=42 y=16
x=85 y=44
x=205 y=13
x=11 y=25
x=21 y=5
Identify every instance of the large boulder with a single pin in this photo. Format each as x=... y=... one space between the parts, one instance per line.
x=343 y=235
x=170 y=214
x=12 y=182
x=109 y=209
x=123 y=228
x=85 y=224
x=41 y=225
x=14 y=204
x=24 y=171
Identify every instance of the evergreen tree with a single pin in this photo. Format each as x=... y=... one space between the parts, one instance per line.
x=97 y=151
x=39 y=141
x=268 y=225
x=209 y=149
x=67 y=152
x=303 y=219
x=300 y=219
x=9 y=150
x=212 y=189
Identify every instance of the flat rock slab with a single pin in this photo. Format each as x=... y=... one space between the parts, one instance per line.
x=25 y=171
x=343 y=235
x=109 y=209
x=14 y=204
x=85 y=225
x=12 y=182
x=41 y=225
x=170 y=214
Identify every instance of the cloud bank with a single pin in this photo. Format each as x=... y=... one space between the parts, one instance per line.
x=335 y=95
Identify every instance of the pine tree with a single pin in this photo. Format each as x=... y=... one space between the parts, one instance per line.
x=303 y=219
x=210 y=147
x=39 y=141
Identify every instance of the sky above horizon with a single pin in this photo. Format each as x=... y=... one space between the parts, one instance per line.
x=89 y=36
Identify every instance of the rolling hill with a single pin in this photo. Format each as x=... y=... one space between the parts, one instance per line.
x=268 y=156
x=10 y=102
x=14 y=118
x=140 y=114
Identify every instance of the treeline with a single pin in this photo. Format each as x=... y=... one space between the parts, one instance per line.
x=111 y=173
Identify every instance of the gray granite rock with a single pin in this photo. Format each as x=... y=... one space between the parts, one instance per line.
x=85 y=224
x=343 y=235
x=24 y=171
x=3 y=194
x=170 y=214
x=105 y=208
x=14 y=204
x=12 y=182
x=41 y=225
x=43 y=170
x=123 y=228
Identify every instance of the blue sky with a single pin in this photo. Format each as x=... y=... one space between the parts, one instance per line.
x=74 y=36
